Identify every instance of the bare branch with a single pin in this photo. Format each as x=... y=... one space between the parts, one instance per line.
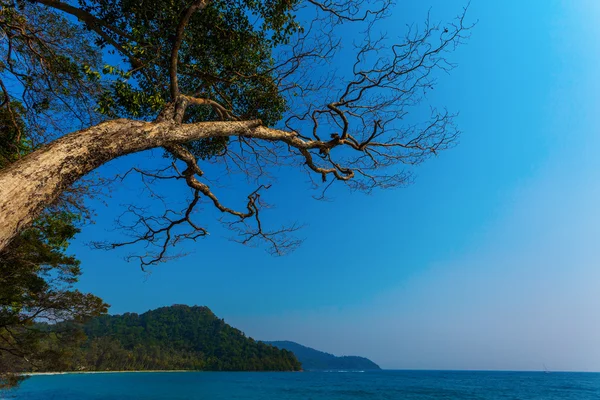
x=353 y=11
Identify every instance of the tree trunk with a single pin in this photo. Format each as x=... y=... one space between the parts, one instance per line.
x=34 y=182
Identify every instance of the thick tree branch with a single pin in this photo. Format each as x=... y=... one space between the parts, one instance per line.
x=32 y=183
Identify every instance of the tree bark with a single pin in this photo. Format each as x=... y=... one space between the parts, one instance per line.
x=34 y=182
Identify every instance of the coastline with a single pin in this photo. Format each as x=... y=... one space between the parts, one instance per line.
x=126 y=372
x=101 y=372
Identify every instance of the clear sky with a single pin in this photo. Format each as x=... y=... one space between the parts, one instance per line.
x=488 y=261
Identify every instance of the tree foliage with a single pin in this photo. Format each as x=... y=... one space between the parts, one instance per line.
x=45 y=87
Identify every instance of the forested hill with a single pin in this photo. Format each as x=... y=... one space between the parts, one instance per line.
x=312 y=359
x=176 y=337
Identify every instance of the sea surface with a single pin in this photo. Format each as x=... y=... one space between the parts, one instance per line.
x=311 y=386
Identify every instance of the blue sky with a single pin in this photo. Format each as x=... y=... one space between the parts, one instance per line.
x=488 y=261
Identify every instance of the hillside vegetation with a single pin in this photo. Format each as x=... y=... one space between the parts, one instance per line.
x=174 y=338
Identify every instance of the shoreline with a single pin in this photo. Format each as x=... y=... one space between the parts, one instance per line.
x=102 y=372
x=126 y=372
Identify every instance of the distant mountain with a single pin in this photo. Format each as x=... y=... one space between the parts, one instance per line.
x=312 y=359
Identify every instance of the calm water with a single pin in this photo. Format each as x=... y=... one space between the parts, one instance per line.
x=312 y=386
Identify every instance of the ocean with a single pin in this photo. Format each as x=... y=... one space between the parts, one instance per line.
x=406 y=385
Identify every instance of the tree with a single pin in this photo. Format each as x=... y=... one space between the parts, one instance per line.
x=230 y=83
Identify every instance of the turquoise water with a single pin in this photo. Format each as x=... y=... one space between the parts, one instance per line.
x=407 y=385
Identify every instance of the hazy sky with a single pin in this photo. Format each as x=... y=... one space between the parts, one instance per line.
x=489 y=261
